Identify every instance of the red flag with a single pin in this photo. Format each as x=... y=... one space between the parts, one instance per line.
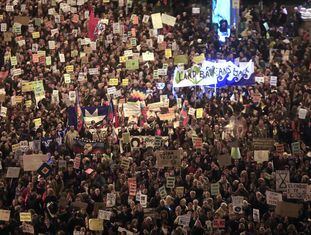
x=116 y=117
x=92 y=24
x=183 y=114
x=79 y=113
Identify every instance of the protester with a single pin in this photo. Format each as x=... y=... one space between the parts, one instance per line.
x=80 y=157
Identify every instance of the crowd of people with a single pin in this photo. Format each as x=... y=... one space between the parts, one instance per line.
x=220 y=186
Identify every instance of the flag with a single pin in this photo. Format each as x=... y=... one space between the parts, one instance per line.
x=110 y=112
x=92 y=24
x=116 y=117
x=89 y=114
x=44 y=170
x=79 y=113
x=184 y=118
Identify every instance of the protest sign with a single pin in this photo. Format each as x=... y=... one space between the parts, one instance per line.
x=198 y=59
x=3 y=111
x=237 y=201
x=132 y=64
x=302 y=113
x=263 y=143
x=125 y=164
x=281 y=180
x=261 y=156
x=288 y=209
x=13 y=172
x=111 y=199
x=157 y=21
x=170 y=182
x=111 y=90
x=256 y=215
x=235 y=153
x=162 y=192
x=131 y=109
x=34 y=161
x=25 y=216
x=148 y=56
x=273 y=81
x=126 y=137
x=273 y=198
x=168 y=158
x=125 y=82
x=196 y=10
x=180 y=59
x=166 y=116
x=96 y=225
x=295 y=147
x=169 y=20
x=168 y=53
x=132 y=186
x=113 y=82
x=105 y=215
x=296 y=190
x=259 y=79
x=215 y=189
x=143 y=200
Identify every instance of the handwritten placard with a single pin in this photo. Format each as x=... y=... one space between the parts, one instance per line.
x=25 y=217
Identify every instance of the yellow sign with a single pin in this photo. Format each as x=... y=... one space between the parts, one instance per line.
x=25 y=216
x=13 y=60
x=69 y=68
x=168 y=53
x=199 y=59
x=125 y=82
x=122 y=59
x=18 y=99
x=113 y=82
x=37 y=122
x=35 y=35
x=31 y=86
x=199 y=113
x=28 y=103
x=96 y=225
x=41 y=53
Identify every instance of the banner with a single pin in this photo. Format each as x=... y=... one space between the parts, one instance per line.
x=150 y=141
x=212 y=73
x=288 y=209
x=131 y=109
x=92 y=147
x=296 y=190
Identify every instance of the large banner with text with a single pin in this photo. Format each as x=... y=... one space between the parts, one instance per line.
x=220 y=74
